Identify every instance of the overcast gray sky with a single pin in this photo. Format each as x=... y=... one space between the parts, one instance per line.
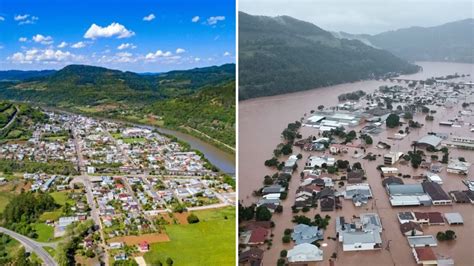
x=366 y=16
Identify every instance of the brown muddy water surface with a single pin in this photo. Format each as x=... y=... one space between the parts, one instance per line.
x=262 y=120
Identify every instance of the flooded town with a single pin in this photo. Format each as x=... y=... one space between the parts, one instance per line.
x=366 y=173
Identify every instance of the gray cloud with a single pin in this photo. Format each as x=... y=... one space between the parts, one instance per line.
x=366 y=16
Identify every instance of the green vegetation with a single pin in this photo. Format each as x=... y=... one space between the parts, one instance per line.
x=65 y=254
x=447 y=235
x=54 y=167
x=23 y=211
x=283 y=54
x=45 y=232
x=199 y=241
x=447 y=42
x=351 y=96
x=5 y=197
x=200 y=101
x=393 y=120
x=21 y=117
x=210 y=111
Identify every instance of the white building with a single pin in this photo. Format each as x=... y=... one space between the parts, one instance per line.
x=304 y=253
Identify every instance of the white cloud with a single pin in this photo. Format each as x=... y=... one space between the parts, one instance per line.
x=226 y=54
x=25 y=19
x=1 y=47
x=46 y=55
x=23 y=39
x=126 y=46
x=42 y=39
x=62 y=45
x=2 y=18
x=149 y=17
x=78 y=45
x=214 y=20
x=195 y=19
x=180 y=51
x=158 y=54
x=197 y=59
x=21 y=17
x=114 y=29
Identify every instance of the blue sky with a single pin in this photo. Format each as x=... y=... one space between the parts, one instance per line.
x=134 y=35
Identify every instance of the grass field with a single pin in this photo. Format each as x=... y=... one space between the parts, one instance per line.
x=51 y=251
x=4 y=199
x=61 y=197
x=53 y=215
x=209 y=242
x=45 y=232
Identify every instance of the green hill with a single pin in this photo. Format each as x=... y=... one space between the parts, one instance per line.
x=452 y=42
x=282 y=54
x=177 y=98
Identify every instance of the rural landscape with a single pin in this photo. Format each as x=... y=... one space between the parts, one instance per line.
x=127 y=158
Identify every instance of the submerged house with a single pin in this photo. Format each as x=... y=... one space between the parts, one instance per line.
x=303 y=233
x=362 y=234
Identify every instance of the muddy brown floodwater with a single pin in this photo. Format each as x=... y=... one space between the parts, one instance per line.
x=262 y=120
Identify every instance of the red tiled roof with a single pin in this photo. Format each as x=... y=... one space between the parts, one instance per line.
x=259 y=235
x=425 y=253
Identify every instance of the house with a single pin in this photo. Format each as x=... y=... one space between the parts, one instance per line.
x=359 y=194
x=361 y=234
x=431 y=218
x=411 y=229
x=389 y=171
x=392 y=157
x=121 y=256
x=355 y=177
x=458 y=167
x=303 y=233
x=422 y=241
x=436 y=193
x=304 y=253
x=429 y=141
x=251 y=257
x=434 y=178
x=327 y=204
x=258 y=236
x=115 y=245
x=425 y=256
x=290 y=164
x=408 y=195
x=143 y=246
x=66 y=221
x=459 y=196
x=405 y=217
x=453 y=218
x=319 y=161
x=273 y=189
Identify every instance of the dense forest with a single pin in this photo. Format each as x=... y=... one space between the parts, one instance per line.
x=448 y=42
x=211 y=111
x=282 y=54
x=201 y=99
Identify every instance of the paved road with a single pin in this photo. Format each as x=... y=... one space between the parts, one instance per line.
x=31 y=245
x=11 y=120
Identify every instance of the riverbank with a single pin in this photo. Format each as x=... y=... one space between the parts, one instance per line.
x=260 y=123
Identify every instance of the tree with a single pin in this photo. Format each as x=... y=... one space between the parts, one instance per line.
x=169 y=261
x=283 y=253
x=441 y=236
x=286 y=239
x=392 y=121
x=263 y=214
x=192 y=219
x=450 y=234
x=408 y=115
x=321 y=107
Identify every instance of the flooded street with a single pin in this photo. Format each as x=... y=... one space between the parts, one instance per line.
x=262 y=120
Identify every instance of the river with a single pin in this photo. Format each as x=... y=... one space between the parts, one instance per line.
x=262 y=120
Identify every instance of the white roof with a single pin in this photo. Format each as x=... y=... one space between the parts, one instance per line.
x=454 y=217
x=305 y=253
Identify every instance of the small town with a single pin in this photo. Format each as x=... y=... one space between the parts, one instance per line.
x=380 y=173
x=116 y=187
